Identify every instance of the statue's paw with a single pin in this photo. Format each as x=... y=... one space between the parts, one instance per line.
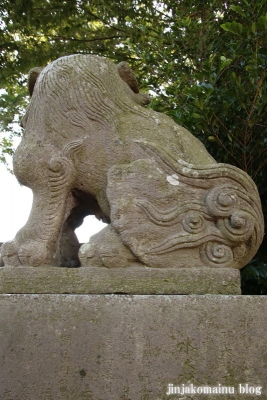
x=88 y=256
x=29 y=254
x=105 y=249
x=114 y=257
x=92 y=255
x=34 y=254
x=9 y=255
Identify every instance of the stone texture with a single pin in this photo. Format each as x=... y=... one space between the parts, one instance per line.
x=1 y=260
x=90 y=147
x=117 y=347
x=132 y=280
x=168 y=213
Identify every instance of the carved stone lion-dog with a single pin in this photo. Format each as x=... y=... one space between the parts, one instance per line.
x=91 y=147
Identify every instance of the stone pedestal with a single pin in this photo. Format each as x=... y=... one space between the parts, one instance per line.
x=135 y=279
x=131 y=347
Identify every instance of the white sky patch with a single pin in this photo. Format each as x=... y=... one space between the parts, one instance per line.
x=15 y=205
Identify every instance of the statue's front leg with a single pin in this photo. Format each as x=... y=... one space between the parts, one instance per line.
x=36 y=243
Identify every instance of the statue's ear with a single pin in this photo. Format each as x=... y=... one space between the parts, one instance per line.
x=127 y=76
x=33 y=75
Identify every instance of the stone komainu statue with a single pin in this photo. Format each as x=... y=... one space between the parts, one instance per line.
x=90 y=147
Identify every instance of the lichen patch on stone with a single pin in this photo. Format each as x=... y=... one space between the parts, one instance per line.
x=173 y=179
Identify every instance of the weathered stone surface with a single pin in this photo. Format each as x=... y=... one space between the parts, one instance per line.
x=168 y=213
x=132 y=280
x=90 y=147
x=1 y=260
x=96 y=347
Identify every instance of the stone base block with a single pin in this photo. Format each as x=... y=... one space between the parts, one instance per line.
x=123 y=347
x=133 y=280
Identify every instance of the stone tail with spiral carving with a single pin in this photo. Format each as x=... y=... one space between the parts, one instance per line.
x=223 y=218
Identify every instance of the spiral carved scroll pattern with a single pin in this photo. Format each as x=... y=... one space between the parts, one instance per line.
x=225 y=225
x=216 y=254
x=235 y=225
x=194 y=222
x=220 y=232
x=221 y=201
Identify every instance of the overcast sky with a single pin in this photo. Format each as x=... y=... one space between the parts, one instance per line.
x=15 y=206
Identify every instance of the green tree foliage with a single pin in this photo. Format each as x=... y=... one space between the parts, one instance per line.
x=205 y=62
